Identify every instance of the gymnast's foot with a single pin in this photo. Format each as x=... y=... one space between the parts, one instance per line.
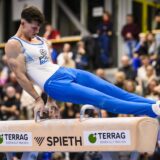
x=156 y=108
x=158 y=102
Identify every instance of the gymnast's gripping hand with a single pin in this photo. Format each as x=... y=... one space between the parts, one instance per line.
x=39 y=106
x=53 y=109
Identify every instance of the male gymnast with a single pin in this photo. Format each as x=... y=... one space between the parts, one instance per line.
x=28 y=57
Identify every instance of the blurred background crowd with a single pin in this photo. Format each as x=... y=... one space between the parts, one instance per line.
x=138 y=72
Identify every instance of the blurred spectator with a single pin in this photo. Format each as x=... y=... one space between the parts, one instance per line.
x=157 y=65
x=58 y=156
x=136 y=62
x=50 y=32
x=45 y=156
x=150 y=74
x=147 y=45
x=151 y=92
x=81 y=58
x=4 y=72
x=157 y=19
x=157 y=25
x=92 y=51
x=53 y=52
x=104 y=113
x=127 y=68
x=27 y=102
x=13 y=81
x=142 y=73
x=54 y=55
x=65 y=58
x=152 y=47
x=101 y=73
x=142 y=46
x=130 y=33
x=119 y=79
x=119 y=82
x=10 y=107
x=70 y=110
x=104 y=31
x=130 y=86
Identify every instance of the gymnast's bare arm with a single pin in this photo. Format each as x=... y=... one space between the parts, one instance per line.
x=16 y=62
x=54 y=110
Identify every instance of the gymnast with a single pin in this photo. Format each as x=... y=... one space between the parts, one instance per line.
x=28 y=57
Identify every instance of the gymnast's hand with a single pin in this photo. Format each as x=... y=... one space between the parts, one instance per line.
x=53 y=109
x=39 y=107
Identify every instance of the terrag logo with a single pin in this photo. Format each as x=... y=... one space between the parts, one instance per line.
x=15 y=139
x=39 y=140
x=107 y=137
x=92 y=138
x=1 y=139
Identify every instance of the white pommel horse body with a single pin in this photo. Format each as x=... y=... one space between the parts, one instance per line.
x=78 y=135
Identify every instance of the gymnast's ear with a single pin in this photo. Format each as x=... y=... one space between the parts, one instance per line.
x=22 y=22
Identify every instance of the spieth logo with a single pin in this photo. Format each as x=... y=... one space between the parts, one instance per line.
x=39 y=140
x=110 y=137
x=15 y=139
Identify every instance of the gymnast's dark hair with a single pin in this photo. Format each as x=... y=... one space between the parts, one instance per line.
x=32 y=14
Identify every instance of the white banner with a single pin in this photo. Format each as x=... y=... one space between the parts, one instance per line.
x=15 y=139
x=110 y=137
x=97 y=11
x=19 y=5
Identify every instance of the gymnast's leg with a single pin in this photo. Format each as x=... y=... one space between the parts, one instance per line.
x=90 y=80
x=67 y=91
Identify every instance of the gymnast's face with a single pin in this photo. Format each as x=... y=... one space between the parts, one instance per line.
x=30 y=29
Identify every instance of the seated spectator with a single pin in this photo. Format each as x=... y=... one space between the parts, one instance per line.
x=157 y=65
x=142 y=73
x=50 y=32
x=81 y=58
x=151 y=92
x=27 y=102
x=152 y=46
x=4 y=75
x=53 y=52
x=150 y=74
x=136 y=62
x=10 y=107
x=65 y=58
x=58 y=156
x=104 y=113
x=142 y=46
x=54 y=55
x=127 y=68
x=120 y=77
x=69 y=110
x=130 y=33
x=101 y=73
x=13 y=82
x=130 y=86
x=4 y=72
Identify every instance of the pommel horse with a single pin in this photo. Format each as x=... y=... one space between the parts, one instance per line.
x=133 y=134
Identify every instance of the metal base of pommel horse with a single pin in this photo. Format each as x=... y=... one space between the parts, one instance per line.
x=107 y=135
